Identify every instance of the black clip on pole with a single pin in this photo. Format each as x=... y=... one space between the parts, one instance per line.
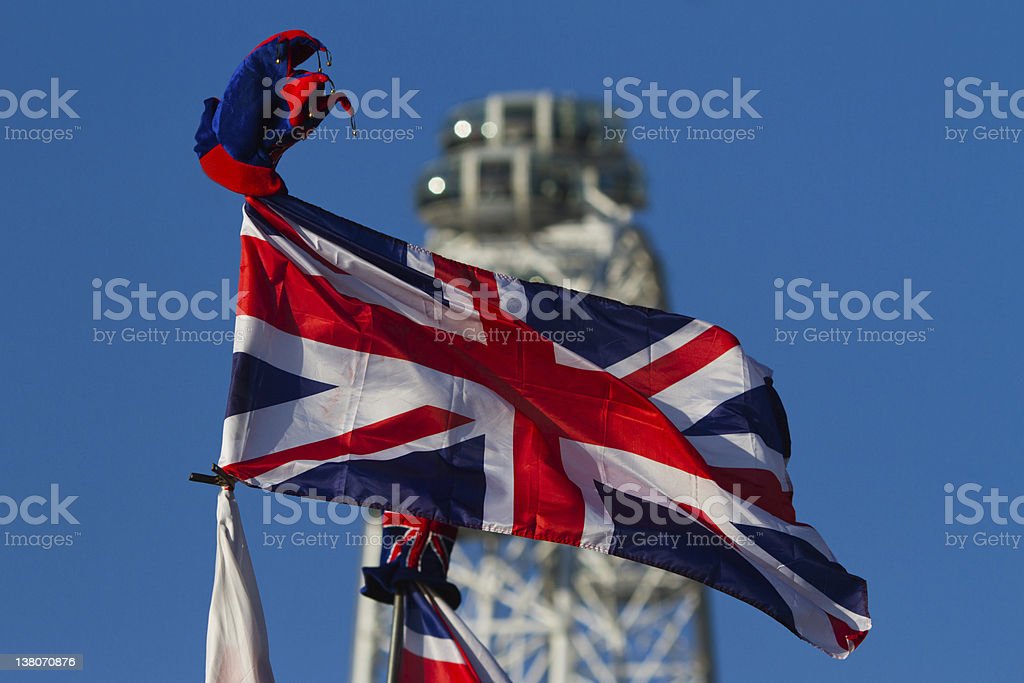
x=218 y=478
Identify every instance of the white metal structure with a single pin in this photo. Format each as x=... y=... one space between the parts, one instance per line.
x=531 y=188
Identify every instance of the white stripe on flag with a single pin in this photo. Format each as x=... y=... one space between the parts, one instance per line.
x=420 y=259
x=431 y=647
x=746 y=450
x=694 y=396
x=644 y=357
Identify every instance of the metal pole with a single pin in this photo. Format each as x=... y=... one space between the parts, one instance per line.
x=369 y=628
x=562 y=664
x=705 y=657
x=397 y=636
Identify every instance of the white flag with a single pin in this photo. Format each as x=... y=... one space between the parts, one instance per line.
x=236 y=637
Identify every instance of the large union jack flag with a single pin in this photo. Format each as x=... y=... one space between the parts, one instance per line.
x=365 y=367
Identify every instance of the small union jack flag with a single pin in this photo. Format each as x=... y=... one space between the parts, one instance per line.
x=413 y=549
x=420 y=540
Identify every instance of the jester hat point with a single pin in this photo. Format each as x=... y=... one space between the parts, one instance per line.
x=267 y=107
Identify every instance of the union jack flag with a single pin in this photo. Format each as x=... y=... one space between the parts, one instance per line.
x=365 y=367
x=413 y=550
x=420 y=539
x=438 y=646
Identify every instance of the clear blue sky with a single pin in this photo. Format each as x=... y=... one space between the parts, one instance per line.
x=849 y=181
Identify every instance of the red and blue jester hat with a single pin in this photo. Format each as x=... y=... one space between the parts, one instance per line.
x=267 y=107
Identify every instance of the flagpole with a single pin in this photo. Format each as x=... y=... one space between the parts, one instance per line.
x=397 y=636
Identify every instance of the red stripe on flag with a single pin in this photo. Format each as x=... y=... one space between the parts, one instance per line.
x=682 y=362
x=847 y=637
x=480 y=284
x=416 y=669
x=388 y=433
x=554 y=513
x=760 y=487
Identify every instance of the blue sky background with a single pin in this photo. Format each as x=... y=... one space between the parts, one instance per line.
x=850 y=181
